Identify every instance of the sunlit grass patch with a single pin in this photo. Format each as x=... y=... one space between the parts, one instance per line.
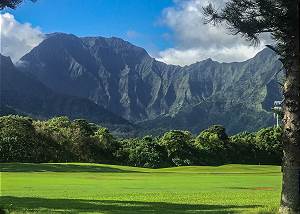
x=99 y=188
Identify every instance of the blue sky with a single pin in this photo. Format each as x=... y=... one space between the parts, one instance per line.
x=137 y=21
x=172 y=31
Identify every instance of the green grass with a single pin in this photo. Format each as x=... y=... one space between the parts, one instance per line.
x=98 y=188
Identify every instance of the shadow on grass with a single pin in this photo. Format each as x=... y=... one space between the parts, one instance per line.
x=43 y=167
x=20 y=204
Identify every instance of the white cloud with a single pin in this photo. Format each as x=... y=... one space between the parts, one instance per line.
x=195 y=41
x=189 y=56
x=16 y=38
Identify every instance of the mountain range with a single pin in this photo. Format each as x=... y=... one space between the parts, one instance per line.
x=114 y=83
x=24 y=95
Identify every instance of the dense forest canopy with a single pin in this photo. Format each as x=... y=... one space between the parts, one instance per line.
x=60 y=139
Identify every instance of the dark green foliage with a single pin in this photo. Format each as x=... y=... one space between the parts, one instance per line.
x=243 y=145
x=19 y=141
x=269 y=142
x=58 y=130
x=179 y=147
x=108 y=145
x=55 y=140
x=85 y=127
x=218 y=131
x=63 y=140
x=262 y=147
x=78 y=139
x=145 y=152
x=213 y=146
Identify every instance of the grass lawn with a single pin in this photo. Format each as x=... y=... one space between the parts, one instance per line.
x=99 y=188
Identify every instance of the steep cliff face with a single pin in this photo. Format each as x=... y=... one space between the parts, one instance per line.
x=22 y=94
x=124 y=79
x=110 y=72
x=236 y=95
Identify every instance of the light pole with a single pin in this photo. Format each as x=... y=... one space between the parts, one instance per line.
x=278 y=112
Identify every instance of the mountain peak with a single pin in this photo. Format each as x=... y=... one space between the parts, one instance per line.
x=59 y=35
x=266 y=52
x=115 y=43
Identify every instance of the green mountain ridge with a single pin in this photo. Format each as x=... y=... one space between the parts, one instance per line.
x=246 y=107
x=126 y=81
x=24 y=95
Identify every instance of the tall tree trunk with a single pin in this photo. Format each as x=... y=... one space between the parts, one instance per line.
x=290 y=196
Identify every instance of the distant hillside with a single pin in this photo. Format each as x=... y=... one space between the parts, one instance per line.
x=24 y=95
x=125 y=80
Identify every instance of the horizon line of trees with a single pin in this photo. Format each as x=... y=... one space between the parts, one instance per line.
x=60 y=139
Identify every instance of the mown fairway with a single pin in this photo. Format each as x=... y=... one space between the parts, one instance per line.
x=97 y=188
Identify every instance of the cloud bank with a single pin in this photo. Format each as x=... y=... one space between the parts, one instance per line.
x=195 y=41
x=17 y=39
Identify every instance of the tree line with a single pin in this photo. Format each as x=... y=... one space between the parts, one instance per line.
x=60 y=139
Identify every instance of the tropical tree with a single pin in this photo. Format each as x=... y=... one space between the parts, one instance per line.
x=179 y=147
x=142 y=152
x=19 y=140
x=244 y=148
x=269 y=140
x=108 y=144
x=280 y=18
x=213 y=146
